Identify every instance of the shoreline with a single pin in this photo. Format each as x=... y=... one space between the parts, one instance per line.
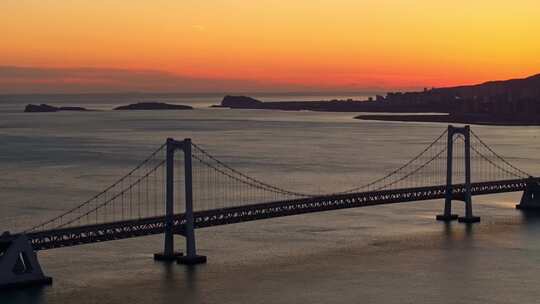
x=442 y=118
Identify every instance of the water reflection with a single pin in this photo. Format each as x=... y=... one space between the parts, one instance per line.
x=180 y=282
x=23 y=295
x=458 y=234
x=190 y=275
x=530 y=220
x=530 y=217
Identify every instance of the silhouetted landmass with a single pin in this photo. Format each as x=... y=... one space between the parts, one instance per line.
x=153 y=106
x=478 y=119
x=244 y=102
x=519 y=97
x=31 y=108
x=240 y=102
x=509 y=102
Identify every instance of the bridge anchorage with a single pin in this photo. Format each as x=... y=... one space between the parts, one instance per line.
x=19 y=264
x=181 y=187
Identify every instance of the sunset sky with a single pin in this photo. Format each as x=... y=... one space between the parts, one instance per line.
x=296 y=45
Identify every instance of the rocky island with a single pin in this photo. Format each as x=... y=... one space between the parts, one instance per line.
x=31 y=108
x=153 y=106
x=240 y=102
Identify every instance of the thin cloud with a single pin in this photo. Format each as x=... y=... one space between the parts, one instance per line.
x=15 y=80
x=32 y=80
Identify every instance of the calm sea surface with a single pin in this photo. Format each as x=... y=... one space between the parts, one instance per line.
x=384 y=254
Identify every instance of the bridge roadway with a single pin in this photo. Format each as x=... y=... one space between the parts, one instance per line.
x=73 y=236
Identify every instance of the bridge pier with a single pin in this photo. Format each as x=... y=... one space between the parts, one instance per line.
x=19 y=265
x=530 y=200
x=446 y=217
x=469 y=218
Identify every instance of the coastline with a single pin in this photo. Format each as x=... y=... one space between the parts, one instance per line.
x=446 y=118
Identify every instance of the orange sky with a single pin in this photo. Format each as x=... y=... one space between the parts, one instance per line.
x=296 y=44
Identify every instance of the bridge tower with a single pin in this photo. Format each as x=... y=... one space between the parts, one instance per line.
x=449 y=191
x=188 y=232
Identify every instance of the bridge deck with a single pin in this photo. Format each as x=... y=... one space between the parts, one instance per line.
x=74 y=236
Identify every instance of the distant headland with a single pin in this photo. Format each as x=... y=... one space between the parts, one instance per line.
x=477 y=119
x=510 y=102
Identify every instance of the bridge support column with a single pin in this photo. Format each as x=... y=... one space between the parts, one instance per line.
x=19 y=265
x=168 y=253
x=530 y=200
x=191 y=257
x=447 y=216
x=468 y=218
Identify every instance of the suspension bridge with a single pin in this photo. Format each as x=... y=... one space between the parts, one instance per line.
x=182 y=187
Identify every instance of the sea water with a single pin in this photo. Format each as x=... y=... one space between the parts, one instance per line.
x=50 y=162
